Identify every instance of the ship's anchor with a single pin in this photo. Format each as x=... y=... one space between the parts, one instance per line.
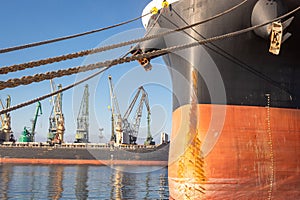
x=275 y=32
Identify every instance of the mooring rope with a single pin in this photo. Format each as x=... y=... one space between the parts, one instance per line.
x=168 y=50
x=32 y=64
x=25 y=46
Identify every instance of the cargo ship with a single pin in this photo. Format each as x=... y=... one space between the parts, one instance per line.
x=236 y=131
x=83 y=154
x=122 y=149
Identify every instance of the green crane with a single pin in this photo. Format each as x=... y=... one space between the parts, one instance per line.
x=28 y=136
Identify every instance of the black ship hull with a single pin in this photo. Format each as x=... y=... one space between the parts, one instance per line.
x=94 y=154
x=235 y=104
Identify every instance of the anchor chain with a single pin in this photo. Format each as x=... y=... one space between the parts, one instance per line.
x=270 y=142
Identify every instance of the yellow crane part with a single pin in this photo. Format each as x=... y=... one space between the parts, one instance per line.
x=154 y=11
x=165 y=4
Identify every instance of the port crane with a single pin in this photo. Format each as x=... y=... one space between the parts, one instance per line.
x=56 y=119
x=28 y=136
x=5 y=131
x=82 y=132
x=116 y=118
x=133 y=129
x=124 y=132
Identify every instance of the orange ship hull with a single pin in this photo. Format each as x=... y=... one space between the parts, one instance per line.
x=254 y=154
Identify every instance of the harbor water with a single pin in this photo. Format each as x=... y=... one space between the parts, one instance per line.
x=83 y=182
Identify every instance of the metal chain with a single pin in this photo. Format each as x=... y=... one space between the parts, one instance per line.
x=68 y=37
x=4 y=84
x=270 y=142
x=32 y=64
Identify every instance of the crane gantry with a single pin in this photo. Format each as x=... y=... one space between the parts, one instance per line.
x=116 y=118
x=133 y=129
x=56 y=119
x=82 y=132
x=29 y=135
x=5 y=130
x=124 y=132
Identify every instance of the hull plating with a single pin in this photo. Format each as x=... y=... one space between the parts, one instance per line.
x=255 y=156
x=157 y=155
x=236 y=132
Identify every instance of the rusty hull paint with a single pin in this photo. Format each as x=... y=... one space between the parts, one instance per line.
x=256 y=156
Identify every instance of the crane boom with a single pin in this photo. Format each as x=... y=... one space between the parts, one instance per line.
x=117 y=130
x=56 y=119
x=122 y=130
x=5 y=122
x=1 y=119
x=8 y=101
x=37 y=111
x=127 y=128
x=129 y=109
x=149 y=140
x=82 y=132
x=113 y=97
x=28 y=136
x=137 y=120
x=133 y=129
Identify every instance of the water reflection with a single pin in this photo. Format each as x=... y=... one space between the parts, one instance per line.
x=82 y=182
x=163 y=186
x=125 y=184
x=81 y=186
x=5 y=178
x=147 y=185
x=55 y=186
x=116 y=181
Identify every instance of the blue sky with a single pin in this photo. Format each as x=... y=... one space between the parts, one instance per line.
x=29 y=21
